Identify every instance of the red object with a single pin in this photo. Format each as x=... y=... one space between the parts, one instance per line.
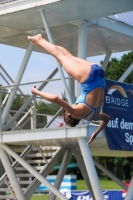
x=34 y=86
x=127 y=183
x=61 y=125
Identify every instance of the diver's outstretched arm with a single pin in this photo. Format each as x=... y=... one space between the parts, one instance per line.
x=105 y=119
x=53 y=98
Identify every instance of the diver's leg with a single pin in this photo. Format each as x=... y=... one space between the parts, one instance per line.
x=80 y=60
x=77 y=70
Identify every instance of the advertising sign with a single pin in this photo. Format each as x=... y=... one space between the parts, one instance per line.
x=107 y=195
x=118 y=104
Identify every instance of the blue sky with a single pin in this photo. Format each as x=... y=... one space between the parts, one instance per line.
x=39 y=66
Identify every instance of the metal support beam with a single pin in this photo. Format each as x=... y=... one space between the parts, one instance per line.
x=109 y=174
x=6 y=97
x=33 y=172
x=34 y=115
x=47 y=169
x=82 y=45
x=129 y=195
x=113 y=25
x=43 y=155
x=31 y=119
x=61 y=172
x=11 y=174
x=85 y=150
x=44 y=19
x=106 y=60
x=71 y=86
x=126 y=73
x=9 y=78
x=17 y=81
x=22 y=119
x=25 y=105
x=82 y=167
x=12 y=192
x=0 y=113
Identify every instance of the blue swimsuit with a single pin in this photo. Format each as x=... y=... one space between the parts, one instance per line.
x=96 y=79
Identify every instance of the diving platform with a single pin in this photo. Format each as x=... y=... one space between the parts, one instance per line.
x=104 y=34
x=63 y=137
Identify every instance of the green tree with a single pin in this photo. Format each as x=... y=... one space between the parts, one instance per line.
x=17 y=103
x=47 y=109
x=123 y=169
x=116 y=68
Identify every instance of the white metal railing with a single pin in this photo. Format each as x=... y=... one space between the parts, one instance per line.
x=31 y=83
x=23 y=121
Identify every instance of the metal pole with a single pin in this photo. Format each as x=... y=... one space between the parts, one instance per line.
x=71 y=86
x=8 y=185
x=34 y=115
x=44 y=19
x=126 y=73
x=33 y=171
x=61 y=172
x=82 y=167
x=111 y=175
x=0 y=113
x=18 y=113
x=82 y=45
x=22 y=119
x=17 y=81
x=6 y=97
x=11 y=174
x=9 y=78
x=90 y=168
x=31 y=119
x=106 y=60
x=129 y=195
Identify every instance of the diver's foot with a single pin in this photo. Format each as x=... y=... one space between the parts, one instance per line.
x=35 y=39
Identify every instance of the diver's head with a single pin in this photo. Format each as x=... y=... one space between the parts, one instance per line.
x=69 y=119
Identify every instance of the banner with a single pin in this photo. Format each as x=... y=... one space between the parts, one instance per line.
x=119 y=105
x=108 y=195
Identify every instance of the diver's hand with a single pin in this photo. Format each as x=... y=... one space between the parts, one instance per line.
x=92 y=138
x=34 y=90
x=105 y=119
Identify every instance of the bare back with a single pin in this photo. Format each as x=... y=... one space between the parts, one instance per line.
x=94 y=99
